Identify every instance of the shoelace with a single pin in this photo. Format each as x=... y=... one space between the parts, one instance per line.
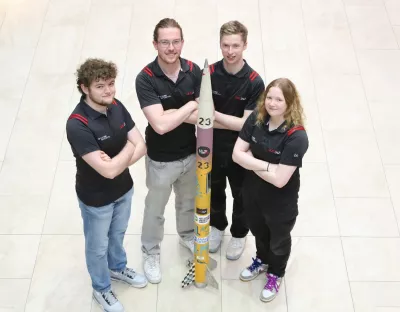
x=255 y=265
x=109 y=297
x=152 y=262
x=272 y=283
x=236 y=243
x=130 y=273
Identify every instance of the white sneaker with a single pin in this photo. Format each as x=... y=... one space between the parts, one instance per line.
x=189 y=244
x=151 y=267
x=130 y=277
x=235 y=248
x=253 y=270
x=215 y=239
x=271 y=288
x=108 y=301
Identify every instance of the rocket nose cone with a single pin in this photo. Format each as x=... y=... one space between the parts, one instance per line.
x=206 y=64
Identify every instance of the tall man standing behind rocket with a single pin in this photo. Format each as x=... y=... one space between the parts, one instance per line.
x=236 y=88
x=167 y=89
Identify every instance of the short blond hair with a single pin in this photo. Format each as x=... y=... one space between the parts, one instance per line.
x=233 y=28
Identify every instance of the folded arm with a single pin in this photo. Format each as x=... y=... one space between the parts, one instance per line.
x=231 y=122
x=114 y=167
x=163 y=122
x=242 y=156
x=280 y=177
x=135 y=137
x=153 y=110
x=192 y=119
x=277 y=175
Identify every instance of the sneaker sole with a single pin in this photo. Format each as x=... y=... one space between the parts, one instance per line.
x=125 y=282
x=153 y=281
x=244 y=279
x=103 y=308
x=215 y=249
x=234 y=258
x=267 y=300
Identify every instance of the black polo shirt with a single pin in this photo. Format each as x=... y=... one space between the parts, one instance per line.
x=284 y=145
x=232 y=95
x=89 y=130
x=154 y=87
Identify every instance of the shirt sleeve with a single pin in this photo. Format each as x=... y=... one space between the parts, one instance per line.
x=257 y=89
x=145 y=91
x=247 y=129
x=198 y=73
x=129 y=123
x=80 y=138
x=294 y=149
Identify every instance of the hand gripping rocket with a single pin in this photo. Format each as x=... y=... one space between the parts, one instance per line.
x=201 y=265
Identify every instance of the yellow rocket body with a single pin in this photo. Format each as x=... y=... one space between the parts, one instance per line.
x=203 y=172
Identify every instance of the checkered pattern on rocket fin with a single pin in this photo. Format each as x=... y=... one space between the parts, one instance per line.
x=189 y=278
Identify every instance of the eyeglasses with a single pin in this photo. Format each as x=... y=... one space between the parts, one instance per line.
x=165 y=43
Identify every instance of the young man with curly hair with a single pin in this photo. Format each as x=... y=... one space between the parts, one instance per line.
x=167 y=89
x=105 y=142
x=236 y=88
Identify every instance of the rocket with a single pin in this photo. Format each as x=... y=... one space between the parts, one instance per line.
x=202 y=264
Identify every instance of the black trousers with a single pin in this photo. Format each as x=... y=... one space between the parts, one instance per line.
x=271 y=220
x=273 y=243
x=223 y=167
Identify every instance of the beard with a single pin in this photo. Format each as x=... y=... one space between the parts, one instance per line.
x=98 y=100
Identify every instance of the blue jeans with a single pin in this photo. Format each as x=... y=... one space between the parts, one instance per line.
x=104 y=228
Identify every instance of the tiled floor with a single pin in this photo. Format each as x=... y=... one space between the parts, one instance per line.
x=343 y=55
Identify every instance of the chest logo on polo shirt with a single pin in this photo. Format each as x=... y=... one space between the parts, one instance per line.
x=104 y=137
x=240 y=98
x=271 y=150
x=164 y=97
x=123 y=125
x=253 y=139
x=216 y=92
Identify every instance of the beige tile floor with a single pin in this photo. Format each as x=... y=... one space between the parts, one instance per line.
x=343 y=55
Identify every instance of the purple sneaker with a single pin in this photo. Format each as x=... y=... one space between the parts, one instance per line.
x=271 y=288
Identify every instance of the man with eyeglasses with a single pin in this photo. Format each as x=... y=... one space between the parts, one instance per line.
x=167 y=90
x=236 y=88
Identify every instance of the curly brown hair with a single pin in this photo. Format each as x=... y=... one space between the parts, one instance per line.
x=294 y=115
x=94 y=69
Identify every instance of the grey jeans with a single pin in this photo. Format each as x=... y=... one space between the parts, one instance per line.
x=160 y=178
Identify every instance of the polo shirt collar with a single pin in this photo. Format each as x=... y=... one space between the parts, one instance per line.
x=240 y=74
x=281 y=129
x=90 y=112
x=158 y=71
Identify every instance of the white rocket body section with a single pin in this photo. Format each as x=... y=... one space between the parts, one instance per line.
x=205 y=117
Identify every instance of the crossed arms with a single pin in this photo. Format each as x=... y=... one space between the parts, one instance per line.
x=277 y=175
x=110 y=168
x=221 y=121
